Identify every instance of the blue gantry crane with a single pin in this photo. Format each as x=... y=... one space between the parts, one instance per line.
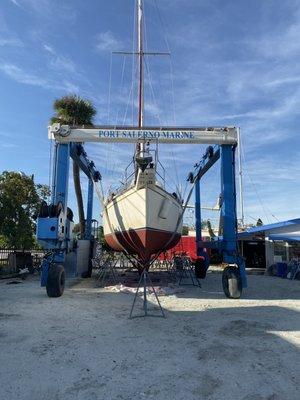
x=55 y=221
x=234 y=274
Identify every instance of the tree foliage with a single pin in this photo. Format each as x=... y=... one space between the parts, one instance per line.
x=20 y=199
x=185 y=230
x=76 y=228
x=73 y=110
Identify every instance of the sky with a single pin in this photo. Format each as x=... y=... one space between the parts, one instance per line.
x=232 y=63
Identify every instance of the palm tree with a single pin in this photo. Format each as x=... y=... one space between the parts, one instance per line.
x=73 y=110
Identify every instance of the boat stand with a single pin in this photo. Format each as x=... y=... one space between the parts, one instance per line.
x=171 y=270
x=107 y=271
x=187 y=272
x=146 y=282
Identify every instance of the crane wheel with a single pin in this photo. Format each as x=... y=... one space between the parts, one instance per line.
x=56 y=281
x=232 y=282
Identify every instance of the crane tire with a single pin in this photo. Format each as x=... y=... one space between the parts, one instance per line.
x=56 y=281
x=232 y=282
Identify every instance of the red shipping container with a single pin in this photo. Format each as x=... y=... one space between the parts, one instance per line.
x=186 y=246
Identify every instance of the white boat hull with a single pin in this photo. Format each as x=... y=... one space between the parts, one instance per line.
x=143 y=221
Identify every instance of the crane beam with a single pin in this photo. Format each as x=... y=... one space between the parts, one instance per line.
x=118 y=134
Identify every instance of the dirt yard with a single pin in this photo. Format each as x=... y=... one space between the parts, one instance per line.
x=83 y=346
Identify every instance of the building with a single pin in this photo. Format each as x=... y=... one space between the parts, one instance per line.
x=265 y=245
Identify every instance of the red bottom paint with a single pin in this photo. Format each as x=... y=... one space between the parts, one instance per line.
x=142 y=242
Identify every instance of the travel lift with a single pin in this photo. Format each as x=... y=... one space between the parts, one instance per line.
x=55 y=225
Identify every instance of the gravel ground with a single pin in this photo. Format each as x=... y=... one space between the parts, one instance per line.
x=83 y=346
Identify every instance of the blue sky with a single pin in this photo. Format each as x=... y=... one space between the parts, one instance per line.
x=234 y=62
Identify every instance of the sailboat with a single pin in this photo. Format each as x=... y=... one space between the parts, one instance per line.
x=141 y=218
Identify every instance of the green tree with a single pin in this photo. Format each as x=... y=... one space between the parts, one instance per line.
x=3 y=241
x=185 y=230
x=100 y=234
x=259 y=222
x=73 y=110
x=20 y=200
x=76 y=228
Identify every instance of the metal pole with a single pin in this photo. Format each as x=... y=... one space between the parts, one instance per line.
x=198 y=216
x=54 y=167
x=89 y=213
x=141 y=66
x=140 y=146
x=145 y=292
x=241 y=195
x=60 y=178
x=228 y=211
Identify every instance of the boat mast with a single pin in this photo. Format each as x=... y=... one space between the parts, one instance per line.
x=140 y=54
x=140 y=146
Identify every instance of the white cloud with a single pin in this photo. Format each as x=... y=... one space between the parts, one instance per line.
x=106 y=41
x=59 y=62
x=269 y=184
x=49 y=49
x=63 y=64
x=70 y=87
x=16 y=3
x=48 y=9
x=8 y=36
x=280 y=44
x=9 y=145
x=11 y=42
x=284 y=81
x=17 y=74
x=39 y=6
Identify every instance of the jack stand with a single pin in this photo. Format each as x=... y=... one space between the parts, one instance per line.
x=143 y=281
x=106 y=271
x=171 y=270
x=188 y=272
